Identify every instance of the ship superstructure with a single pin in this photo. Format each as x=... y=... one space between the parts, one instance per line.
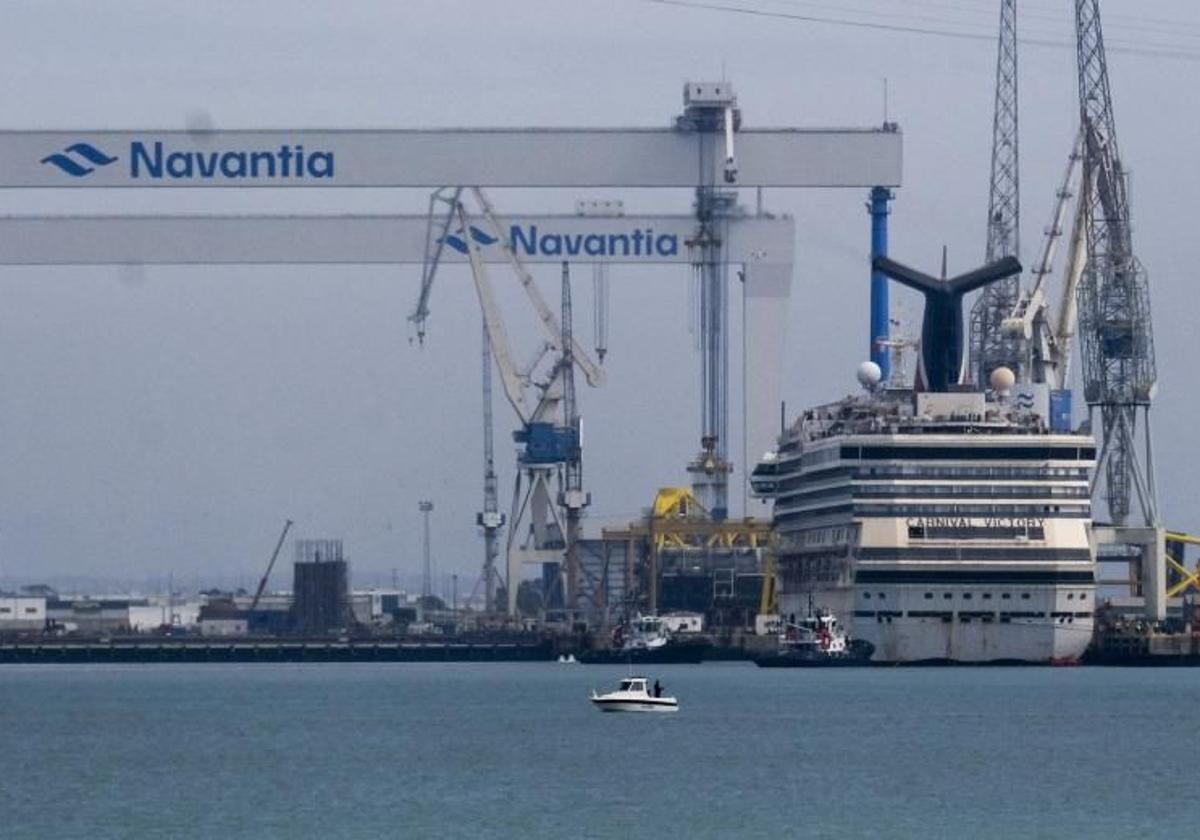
x=938 y=526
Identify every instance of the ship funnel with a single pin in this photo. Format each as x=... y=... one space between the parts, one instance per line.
x=942 y=331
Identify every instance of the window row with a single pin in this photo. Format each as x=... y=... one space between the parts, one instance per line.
x=968 y=596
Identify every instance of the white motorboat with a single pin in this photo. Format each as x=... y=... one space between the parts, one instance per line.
x=633 y=695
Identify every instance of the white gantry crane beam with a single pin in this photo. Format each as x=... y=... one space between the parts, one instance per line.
x=764 y=246
x=433 y=158
x=370 y=239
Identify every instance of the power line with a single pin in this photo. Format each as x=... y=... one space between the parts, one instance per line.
x=987 y=10
x=1180 y=52
x=983 y=12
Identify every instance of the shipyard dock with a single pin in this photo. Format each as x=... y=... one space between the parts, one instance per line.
x=272 y=650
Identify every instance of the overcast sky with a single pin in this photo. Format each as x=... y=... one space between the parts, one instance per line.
x=166 y=420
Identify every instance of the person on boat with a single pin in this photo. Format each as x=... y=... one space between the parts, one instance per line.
x=657 y=689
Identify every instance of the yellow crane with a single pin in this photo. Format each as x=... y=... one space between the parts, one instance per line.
x=1188 y=578
x=767 y=605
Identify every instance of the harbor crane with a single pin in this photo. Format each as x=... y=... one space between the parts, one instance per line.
x=1116 y=337
x=1105 y=298
x=1046 y=339
x=547 y=497
x=262 y=584
x=991 y=346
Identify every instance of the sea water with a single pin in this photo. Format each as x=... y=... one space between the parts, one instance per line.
x=495 y=750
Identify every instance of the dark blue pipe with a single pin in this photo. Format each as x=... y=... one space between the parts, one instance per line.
x=880 y=326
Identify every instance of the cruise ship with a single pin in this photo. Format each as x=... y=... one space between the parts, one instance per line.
x=940 y=526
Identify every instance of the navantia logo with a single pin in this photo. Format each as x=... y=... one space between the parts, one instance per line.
x=532 y=242
x=75 y=159
x=159 y=162
x=458 y=243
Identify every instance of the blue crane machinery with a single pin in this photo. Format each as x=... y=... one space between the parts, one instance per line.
x=990 y=345
x=1115 y=331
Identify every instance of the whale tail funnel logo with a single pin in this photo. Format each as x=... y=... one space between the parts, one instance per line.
x=75 y=159
x=941 y=362
x=456 y=241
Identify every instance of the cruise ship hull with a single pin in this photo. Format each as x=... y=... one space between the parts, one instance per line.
x=938 y=528
x=917 y=635
x=1024 y=641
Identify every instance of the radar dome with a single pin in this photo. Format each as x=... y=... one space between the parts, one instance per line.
x=869 y=375
x=1002 y=380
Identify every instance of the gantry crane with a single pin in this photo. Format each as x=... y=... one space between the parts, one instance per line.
x=712 y=111
x=992 y=346
x=547 y=493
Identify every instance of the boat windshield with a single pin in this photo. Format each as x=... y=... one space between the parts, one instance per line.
x=632 y=685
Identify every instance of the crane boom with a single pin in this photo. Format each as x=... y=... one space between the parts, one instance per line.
x=514 y=383
x=1045 y=265
x=594 y=374
x=435 y=243
x=1048 y=348
x=1068 y=313
x=262 y=584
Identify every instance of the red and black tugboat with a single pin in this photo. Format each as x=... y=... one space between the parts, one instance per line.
x=816 y=641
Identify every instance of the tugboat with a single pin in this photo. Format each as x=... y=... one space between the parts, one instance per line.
x=647 y=641
x=816 y=641
x=633 y=695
